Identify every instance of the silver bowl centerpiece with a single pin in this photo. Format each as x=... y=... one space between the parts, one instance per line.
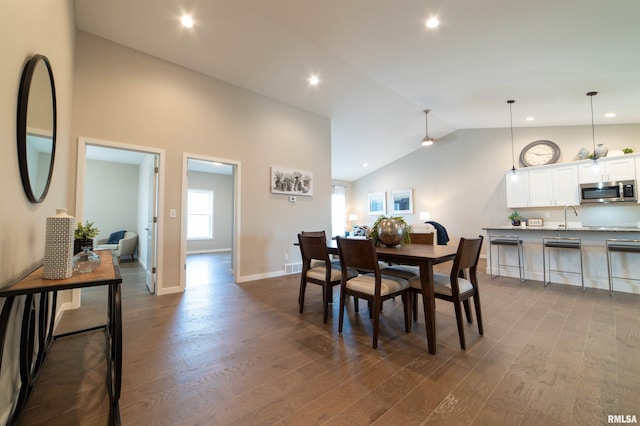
x=390 y=231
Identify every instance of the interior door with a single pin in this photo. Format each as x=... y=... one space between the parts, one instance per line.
x=152 y=225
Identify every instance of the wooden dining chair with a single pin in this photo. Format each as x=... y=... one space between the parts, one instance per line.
x=460 y=285
x=421 y=238
x=360 y=254
x=318 y=269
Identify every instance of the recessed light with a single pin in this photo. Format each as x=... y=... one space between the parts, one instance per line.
x=610 y=115
x=187 y=21
x=365 y=164
x=314 y=80
x=432 y=22
x=530 y=118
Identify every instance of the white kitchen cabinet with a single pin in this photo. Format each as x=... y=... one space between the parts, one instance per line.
x=553 y=186
x=540 y=188
x=517 y=189
x=565 y=185
x=609 y=169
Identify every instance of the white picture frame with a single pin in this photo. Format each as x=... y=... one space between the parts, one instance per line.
x=377 y=203
x=291 y=181
x=402 y=201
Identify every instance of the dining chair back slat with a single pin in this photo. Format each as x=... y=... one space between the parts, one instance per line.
x=466 y=261
x=313 y=247
x=359 y=254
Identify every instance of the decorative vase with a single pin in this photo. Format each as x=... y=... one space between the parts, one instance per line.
x=58 y=246
x=81 y=243
x=85 y=261
x=390 y=232
x=515 y=222
x=601 y=150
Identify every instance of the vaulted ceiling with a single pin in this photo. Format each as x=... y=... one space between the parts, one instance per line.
x=379 y=65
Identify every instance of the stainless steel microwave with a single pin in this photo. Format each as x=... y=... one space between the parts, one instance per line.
x=608 y=192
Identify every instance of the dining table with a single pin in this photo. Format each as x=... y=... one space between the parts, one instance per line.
x=425 y=257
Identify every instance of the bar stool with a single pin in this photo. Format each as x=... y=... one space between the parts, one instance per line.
x=506 y=241
x=549 y=243
x=620 y=246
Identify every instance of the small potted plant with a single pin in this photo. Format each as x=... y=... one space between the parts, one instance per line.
x=515 y=218
x=84 y=235
x=390 y=231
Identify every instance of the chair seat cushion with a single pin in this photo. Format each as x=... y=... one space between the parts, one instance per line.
x=319 y=273
x=402 y=271
x=366 y=284
x=442 y=284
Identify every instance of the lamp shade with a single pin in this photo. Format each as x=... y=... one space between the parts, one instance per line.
x=425 y=216
x=353 y=217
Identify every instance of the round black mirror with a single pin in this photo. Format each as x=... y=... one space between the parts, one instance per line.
x=36 y=127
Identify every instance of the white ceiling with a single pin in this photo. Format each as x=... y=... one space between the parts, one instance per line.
x=380 y=67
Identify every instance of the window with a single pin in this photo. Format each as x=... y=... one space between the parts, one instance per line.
x=199 y=214
x=338 y=211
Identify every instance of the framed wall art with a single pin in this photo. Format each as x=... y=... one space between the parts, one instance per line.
x=291 y=182
x=402 y=201
x=377 y=202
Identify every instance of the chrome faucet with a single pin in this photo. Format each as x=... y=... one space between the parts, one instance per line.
x=565 y=214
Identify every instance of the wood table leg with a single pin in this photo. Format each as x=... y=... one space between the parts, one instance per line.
x=114 y=338
x=429 y=304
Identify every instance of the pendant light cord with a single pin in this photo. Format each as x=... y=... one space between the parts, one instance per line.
x=513 y=157
x=593 y=127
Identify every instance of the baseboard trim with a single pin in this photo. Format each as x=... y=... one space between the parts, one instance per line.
x=222 y=250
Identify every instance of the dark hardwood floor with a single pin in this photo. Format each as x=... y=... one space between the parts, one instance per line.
x=241 y=354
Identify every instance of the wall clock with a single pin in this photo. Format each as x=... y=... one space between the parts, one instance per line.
x=538 y=153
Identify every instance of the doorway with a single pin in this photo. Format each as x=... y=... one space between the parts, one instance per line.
x=119 y=188
x=210 y=212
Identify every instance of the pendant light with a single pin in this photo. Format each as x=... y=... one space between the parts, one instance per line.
x=513 y=158
x=427 y=140
x=593 y=129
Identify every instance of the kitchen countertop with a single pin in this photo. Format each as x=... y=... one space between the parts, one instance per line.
x=562 y=228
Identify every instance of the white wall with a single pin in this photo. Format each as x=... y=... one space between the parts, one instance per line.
x=460 y=179
x=111 y=196
x=222 y=187
x=128 y=97
x=28 y=27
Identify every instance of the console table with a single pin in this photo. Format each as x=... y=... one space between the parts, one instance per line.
x=36 y=333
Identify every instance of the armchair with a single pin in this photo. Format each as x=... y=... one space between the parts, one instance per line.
x=125 y=247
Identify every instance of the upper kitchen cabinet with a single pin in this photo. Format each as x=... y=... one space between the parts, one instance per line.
x=517 y=189
x=608 y=169
x=554 y=186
